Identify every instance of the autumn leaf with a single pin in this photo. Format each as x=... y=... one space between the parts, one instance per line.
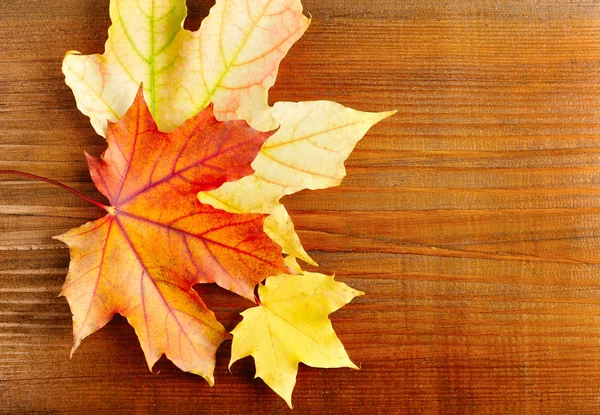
x=232 y=60
x=157 y=239
x=291 y=326
x=308 y=152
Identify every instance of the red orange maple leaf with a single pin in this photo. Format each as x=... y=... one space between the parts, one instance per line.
x=157 y=239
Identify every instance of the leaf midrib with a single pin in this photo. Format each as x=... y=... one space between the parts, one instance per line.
x=199 y=236
x=162 y=297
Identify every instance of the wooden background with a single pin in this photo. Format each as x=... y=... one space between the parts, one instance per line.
x=470 y=219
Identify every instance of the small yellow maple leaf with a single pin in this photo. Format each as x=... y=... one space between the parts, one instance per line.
x=291 y=326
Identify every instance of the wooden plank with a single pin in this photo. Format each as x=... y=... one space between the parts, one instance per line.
x=470 y=218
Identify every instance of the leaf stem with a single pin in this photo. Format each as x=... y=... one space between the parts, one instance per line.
x=257 y=300
x=54 y=182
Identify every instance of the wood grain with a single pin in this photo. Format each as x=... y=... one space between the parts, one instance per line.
x=471 y=218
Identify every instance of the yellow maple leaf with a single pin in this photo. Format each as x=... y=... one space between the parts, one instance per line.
x=307 y=152
x=291 y=326
x=232 y=61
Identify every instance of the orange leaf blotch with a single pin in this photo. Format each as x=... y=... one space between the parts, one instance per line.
x=158 y=240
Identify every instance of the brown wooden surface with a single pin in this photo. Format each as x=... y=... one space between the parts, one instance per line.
x=470 y=219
